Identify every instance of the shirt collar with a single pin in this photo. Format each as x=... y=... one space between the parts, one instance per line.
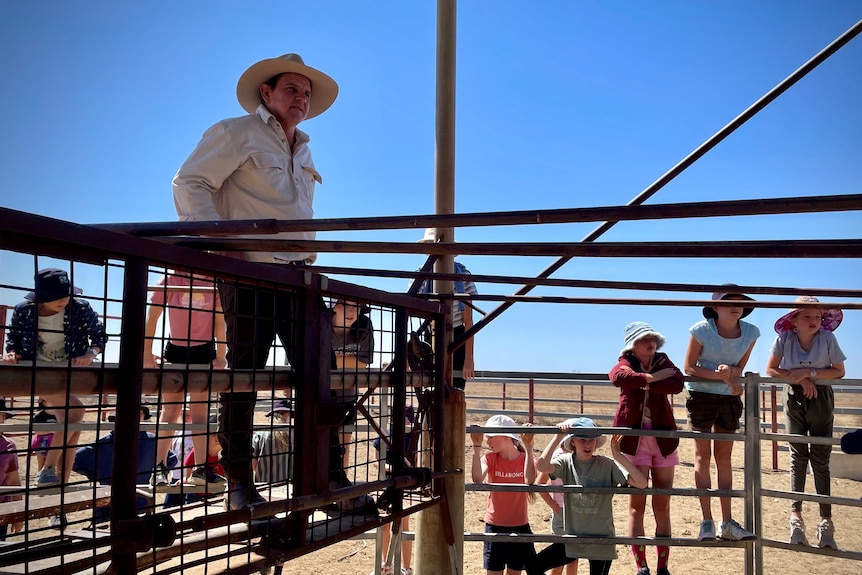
x=267 y=117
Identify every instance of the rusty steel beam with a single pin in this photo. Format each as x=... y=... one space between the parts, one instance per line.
x=851 y=248
x=724 y=208
x=594 y=284
x=694 y=156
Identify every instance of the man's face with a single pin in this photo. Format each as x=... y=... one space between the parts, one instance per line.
x=289 y=100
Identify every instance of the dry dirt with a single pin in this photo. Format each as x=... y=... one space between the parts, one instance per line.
x=355 y=557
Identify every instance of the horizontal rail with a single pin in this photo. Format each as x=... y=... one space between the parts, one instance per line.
x=757 y=207
x=19 y=379
x=795 y=249
x=550 y=538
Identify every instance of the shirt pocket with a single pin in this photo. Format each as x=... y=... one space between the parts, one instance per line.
x=266 y=161
x=305 y=183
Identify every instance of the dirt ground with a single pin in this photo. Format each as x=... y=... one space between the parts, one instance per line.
x=355 y=557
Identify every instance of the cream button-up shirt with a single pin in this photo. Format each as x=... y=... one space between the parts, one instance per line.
x=243 y=168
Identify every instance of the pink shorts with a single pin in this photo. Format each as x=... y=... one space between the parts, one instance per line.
x=649 y=455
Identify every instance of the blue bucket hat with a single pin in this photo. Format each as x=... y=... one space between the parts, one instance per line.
x=585 y=422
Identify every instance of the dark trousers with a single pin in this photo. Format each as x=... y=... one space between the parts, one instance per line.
x=812 y=417
x=458 y=358
x=254 y=318
x=555 y=556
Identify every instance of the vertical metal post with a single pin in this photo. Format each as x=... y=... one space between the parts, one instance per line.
x=504 y=396
x=531 y=394
x=432 y=556
x=582 y=398
x=774 y=427
x=128 y=415
x=753 y=520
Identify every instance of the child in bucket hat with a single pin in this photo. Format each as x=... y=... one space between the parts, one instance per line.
x=646 y=379
x=585 y=514
x=805 y=352
x=510 y=461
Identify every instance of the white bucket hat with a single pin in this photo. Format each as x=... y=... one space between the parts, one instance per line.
x=324 y=90
x=502 y=421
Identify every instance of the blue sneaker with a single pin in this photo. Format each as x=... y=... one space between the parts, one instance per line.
x=707 y=530
x=47 y=476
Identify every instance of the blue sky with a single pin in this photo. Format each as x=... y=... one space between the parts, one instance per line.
x=560 y=105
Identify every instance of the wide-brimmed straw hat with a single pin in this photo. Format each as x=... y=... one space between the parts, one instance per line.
x=583 y=422
x=52 y=284
x=502 y=421
x=709 y=311
x=832 y=317
x=324 y=90
x=637 y=330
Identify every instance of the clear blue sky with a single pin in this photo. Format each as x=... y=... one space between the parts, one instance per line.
x=560 y=104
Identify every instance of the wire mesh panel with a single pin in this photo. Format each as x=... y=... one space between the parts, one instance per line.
x=198 y=411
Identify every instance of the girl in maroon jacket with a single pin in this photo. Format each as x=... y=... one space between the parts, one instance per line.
x=646 y=378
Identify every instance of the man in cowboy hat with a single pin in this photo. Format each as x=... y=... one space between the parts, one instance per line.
x=256 y=166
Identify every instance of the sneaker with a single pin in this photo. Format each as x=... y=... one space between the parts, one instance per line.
x=161 y=475
x=205 y=475
x=797 y=532
x=662 y=571
x=59 y=521
x=707 y=530
x=643 y=571
x=406 y=571
x=240 y=495
x=733 y=531
x=387 y=570
x=47 y=476
x=826 y=534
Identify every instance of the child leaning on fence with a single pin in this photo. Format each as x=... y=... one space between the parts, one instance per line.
x=718 y=350
x=53 y=326
x=510 y=461
x=646 y=378
x=584 y=514
x=805 y=352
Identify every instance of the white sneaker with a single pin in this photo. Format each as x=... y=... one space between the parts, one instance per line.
x=406 y=571
x=387 y=570
x=797 y=532
x=826 y=535
x=707 y=530
x=733 y=531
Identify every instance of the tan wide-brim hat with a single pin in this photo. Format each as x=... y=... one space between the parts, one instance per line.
x=324 y=90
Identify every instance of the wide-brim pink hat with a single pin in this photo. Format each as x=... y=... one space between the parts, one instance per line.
x=832 y=317
x=324 y=89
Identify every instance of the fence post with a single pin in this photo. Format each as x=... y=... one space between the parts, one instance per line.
x=504 y=396
x=532 y=396
x=774 y=418
x=751 y=473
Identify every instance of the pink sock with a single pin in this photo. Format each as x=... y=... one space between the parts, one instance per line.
x=639 y=552
x=662 y=552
